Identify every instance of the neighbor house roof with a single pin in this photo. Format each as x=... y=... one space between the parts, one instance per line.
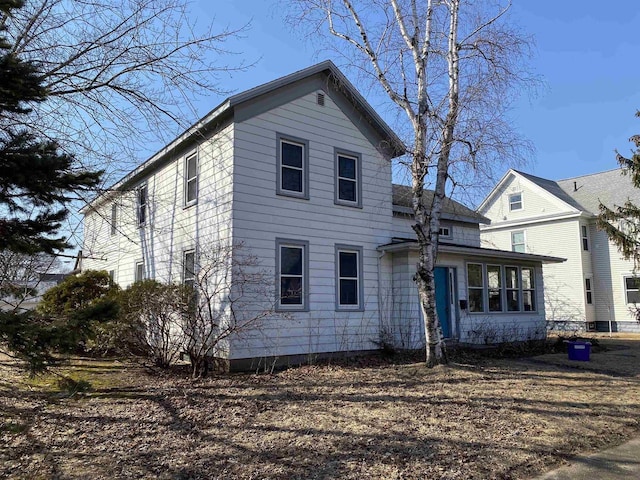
x=327 y=76
x=407 y=244
x=451 y=209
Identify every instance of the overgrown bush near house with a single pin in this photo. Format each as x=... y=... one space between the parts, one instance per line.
x=151 y=319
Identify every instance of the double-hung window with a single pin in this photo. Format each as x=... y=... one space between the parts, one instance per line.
x=191 y=178
x=348 y=185
x=588 y=290
x=515 y=202
x=584 y=233
x=475 y=278
x=293 y=167
x=292 y=264
x=632 y=289
x=444 y=232
x=139 y=273
x=349 y=293
x=142 y=205
x=517 y=242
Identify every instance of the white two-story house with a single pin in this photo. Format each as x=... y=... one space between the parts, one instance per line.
x=298 y=171
x=594 y=288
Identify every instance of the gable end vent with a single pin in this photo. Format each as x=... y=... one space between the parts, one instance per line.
x=320 y=99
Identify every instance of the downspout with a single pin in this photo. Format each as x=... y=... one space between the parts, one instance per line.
x=380 y=324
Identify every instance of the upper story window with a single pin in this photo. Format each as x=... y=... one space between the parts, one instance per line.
x=293 y=167
x=517 y=242
x=142 y=205
x=191 y=179
x=584 y=233
x=114 y=218
x=515 y=202
x=349 y=291
x=348 y=185
x=292 y=265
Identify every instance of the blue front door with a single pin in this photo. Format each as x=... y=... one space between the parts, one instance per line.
x=443 y=305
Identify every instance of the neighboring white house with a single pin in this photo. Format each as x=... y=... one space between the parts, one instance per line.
x=535 y=215
x=299 y=171
x=29 y=291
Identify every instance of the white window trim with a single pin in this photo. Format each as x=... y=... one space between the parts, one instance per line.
x=293 y=243
x=483 y=288
x=588 y=278
x=524 y=241
x=511 y=203
x=184 y=265
x=584 y=237
x=187 y=179
x=449 y=232
x=135 y=272
x=358 y=250
x=518 y=288
x=503 y=289
x=626 y=290
x=337 y=153
x=280 y=139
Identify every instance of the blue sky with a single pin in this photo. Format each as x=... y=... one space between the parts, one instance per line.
x=585 y=54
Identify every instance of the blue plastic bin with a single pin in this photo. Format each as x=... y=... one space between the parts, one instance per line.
x=579 y=351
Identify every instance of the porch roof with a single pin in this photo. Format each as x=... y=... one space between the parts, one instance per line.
x=407 y=244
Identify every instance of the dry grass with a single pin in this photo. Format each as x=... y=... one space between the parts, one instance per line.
x=477 y=419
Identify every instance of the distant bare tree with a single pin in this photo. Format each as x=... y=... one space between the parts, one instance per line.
x=119 y=74
x=452 y=67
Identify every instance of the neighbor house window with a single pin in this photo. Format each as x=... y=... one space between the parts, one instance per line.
x=512 y=282
x=632 y=289
x=528 y=289
x=515 y=201
x=142 y=205
x=292 y=264
x=444 y=232
x=293 y=167
x=191 y=178
x=347 y=182
x=139 y=273
x=585 y=237
x=348 y=277
x=189 y=268
x=588 y=290
x=114 y=219
x=517 y=242
x=476 y=287
x=494 y=281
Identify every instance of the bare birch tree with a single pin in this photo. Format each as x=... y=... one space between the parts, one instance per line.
x=451 y=66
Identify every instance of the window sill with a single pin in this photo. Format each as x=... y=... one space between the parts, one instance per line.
x=344 y=203
x=285 y=193
x=189 y=205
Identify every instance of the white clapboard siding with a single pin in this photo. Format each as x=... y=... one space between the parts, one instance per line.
x=260 y=216
x=171 y=228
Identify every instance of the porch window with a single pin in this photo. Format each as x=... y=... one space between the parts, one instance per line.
x=494 y=280
x=513 y=288
x=528 y=289
x=475 y=279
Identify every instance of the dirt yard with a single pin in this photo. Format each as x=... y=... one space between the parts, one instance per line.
x=478 y=418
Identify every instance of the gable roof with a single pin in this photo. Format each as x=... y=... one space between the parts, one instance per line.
x=327 y=76
x=451 y=210
x=583 y=193
x=610 y=188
